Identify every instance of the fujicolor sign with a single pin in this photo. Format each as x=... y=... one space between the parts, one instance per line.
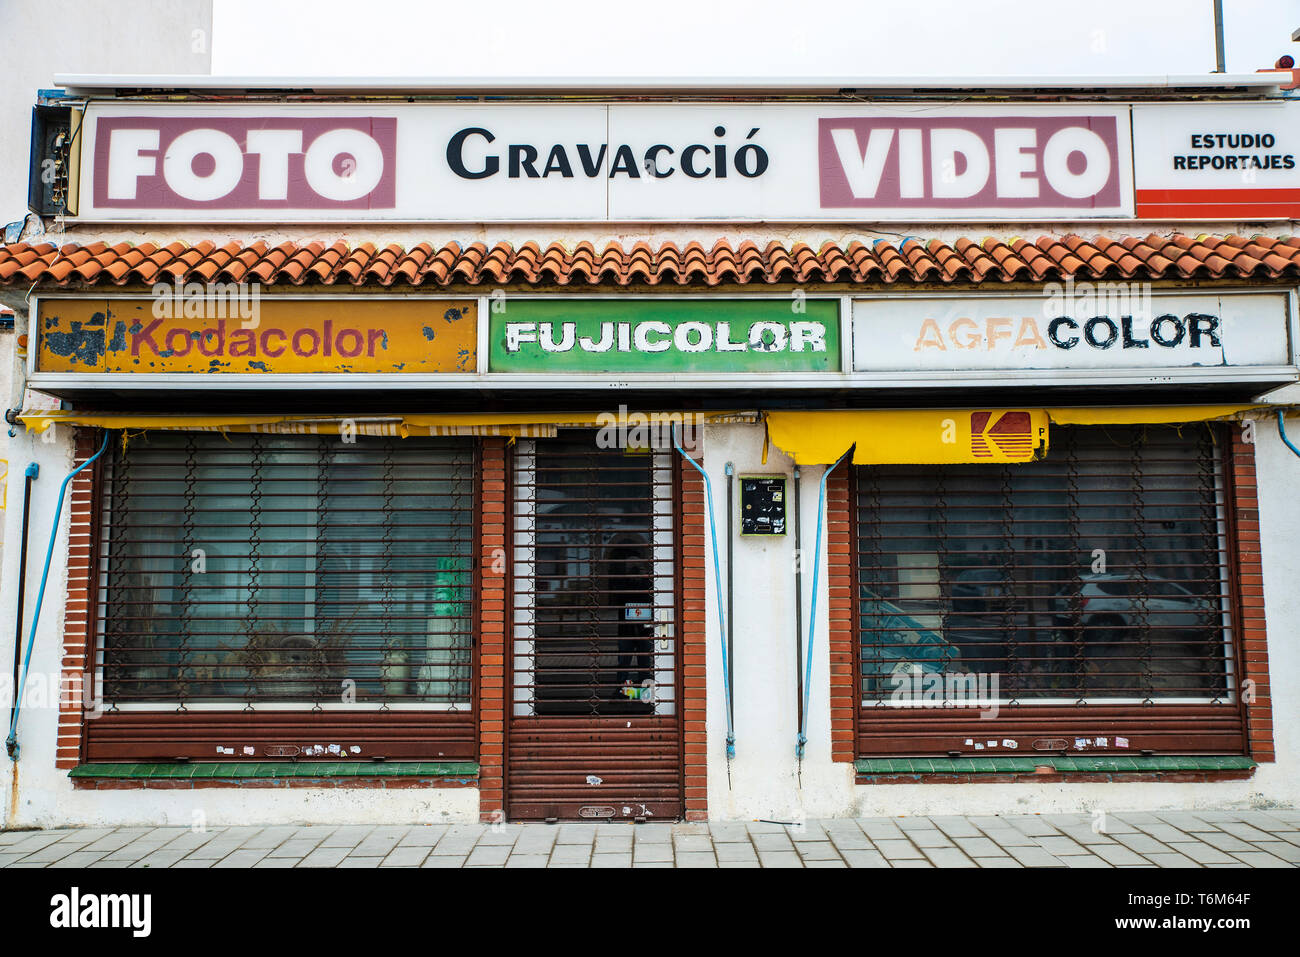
x=669 y=336
x=219 y=335
x=1105 y=326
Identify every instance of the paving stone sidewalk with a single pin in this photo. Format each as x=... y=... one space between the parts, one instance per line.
x=1257 y=838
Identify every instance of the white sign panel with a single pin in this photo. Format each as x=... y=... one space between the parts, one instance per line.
x=622 y=162
x=1107 y=326
x=1217 y=161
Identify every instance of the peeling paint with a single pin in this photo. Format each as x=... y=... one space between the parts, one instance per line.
x=82 y=343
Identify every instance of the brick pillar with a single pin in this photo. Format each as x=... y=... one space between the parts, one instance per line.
x=839 y=579
x=77 y=604
x=492 y=627
x=693 y=637
x=1250 y=594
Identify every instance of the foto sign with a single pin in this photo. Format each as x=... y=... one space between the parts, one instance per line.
x=1105 y=327
x=245 y=162
x=202 y=335
x=599 y=336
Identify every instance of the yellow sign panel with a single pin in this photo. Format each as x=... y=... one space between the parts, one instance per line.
x=911 y=436
x=168 y=334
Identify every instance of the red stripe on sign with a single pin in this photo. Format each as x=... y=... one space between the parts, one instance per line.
x=1220 y=195
x=1218 y=203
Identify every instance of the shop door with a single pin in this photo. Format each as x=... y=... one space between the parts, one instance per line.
x=594 y=730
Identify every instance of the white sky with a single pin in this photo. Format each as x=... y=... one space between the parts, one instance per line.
x=750 y=38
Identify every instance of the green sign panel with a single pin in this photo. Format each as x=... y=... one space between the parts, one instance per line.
x=669 y=336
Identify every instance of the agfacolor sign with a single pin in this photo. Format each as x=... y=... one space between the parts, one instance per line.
x=1085 y=327
x=669 y=336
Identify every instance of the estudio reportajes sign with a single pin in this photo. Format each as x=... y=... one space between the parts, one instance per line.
x=619 y=162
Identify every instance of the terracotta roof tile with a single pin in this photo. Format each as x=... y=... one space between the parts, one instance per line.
x=908 y=260
x=976 y=262
x=1007 y=260
x=863 y=262
x=837 y=264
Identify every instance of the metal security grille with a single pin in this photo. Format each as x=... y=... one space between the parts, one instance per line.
x=255 y=571
x=1096 y=577
x=594 y=729
x=593 y=580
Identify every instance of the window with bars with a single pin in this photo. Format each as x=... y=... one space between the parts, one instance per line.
x=244 y=570
x=1096 y=577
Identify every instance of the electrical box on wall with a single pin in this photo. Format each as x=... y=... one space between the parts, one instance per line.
x=48 y=172
x=762 y=505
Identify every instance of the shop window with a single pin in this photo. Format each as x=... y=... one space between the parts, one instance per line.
x=1095 y=580
x=253 y=571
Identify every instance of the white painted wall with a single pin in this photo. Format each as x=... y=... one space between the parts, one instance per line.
x=765 y=774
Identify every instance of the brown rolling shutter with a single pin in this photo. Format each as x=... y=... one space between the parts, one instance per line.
x=265 y=596
x=595 y=718
x=1087 y=595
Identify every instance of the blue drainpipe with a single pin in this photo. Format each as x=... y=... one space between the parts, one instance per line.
x=812 y=612
x=717 y=580
x=11 y=742
x=1281 y=430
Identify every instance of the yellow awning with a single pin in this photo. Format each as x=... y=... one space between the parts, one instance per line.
x=521 y=424
x=1145 y=414
x=910 y=436
x=950 y=436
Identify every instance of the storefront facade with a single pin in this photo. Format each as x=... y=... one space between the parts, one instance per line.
x=618 y=461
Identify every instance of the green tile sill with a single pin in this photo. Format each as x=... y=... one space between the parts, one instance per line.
x=1025 y=765
x=281 y=769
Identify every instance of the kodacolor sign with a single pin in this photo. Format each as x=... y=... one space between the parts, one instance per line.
x=497 y=162
x=671 y=336
x=220 y=336
x=1105 y=326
